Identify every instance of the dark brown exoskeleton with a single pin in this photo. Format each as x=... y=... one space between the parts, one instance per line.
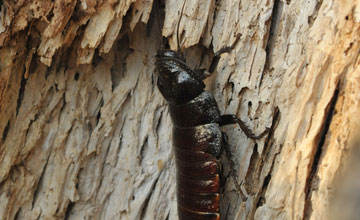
x=197 y=138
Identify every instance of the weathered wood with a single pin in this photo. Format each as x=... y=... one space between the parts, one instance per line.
x=85 y=134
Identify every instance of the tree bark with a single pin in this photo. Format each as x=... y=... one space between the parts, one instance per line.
x=85 y=133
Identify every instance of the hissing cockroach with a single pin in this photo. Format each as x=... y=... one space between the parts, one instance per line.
x=197 y=138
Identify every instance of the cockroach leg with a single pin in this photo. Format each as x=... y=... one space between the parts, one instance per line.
x=232 y=119
x=227 y=211
x=202 y=73
x=216 y=58
x=233 y=174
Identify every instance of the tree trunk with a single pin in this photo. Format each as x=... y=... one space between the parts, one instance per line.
x=85 y=133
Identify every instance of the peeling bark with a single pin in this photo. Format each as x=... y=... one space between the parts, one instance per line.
x=85 y=133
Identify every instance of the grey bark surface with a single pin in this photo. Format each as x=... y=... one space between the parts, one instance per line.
x=85 y=133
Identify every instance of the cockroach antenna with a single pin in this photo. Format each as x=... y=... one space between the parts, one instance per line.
x=156 y=5
x=178 y=27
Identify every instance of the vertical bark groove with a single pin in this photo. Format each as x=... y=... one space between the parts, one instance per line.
x=21 y=93
x=312 y=180
x=273 y=32
x=6 y=131
x=312 y=18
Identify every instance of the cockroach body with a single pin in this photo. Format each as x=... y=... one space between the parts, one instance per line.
x=197 y=138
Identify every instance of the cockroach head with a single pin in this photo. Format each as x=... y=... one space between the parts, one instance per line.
x=176 y=81
x=167 y=62
x=169 y=54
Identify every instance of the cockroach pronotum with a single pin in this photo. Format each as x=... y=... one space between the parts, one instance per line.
x=197 y=138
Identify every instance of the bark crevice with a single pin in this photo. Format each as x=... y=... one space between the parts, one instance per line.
x=69 y=208
x=5 y=132
x=313 y=179
x=271 y=36
x=39 y=184
x=312 y=18
x=21 y=93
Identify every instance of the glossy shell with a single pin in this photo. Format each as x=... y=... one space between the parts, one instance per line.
x=197 y=138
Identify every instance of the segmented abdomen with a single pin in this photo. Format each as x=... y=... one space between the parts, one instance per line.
x=198 y=180
x=197 y=137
